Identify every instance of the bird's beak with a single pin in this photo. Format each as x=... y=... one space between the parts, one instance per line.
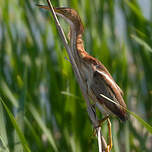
x=43 y=6
x=57 y=10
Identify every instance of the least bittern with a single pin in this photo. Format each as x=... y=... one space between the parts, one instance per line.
x=95 y=76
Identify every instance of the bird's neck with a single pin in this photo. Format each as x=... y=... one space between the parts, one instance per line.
x=80 y=46
x=79 y=53
x=76 y=43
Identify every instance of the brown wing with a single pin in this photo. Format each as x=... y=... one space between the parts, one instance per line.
x=103 y=84
x=97 y=65
x=101 y=67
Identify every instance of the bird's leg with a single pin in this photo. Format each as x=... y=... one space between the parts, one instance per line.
x=109 y=146
x=100 y=122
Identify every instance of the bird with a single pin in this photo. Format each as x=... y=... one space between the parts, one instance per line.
x=95 y=76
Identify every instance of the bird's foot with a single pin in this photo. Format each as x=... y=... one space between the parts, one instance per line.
x=100 y=122
x=109 y=146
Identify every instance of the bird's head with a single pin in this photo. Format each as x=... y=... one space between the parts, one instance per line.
x=70 y=15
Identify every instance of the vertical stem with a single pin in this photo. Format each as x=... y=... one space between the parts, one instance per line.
x=99 y=139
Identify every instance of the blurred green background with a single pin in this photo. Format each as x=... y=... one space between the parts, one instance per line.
x=38 y=87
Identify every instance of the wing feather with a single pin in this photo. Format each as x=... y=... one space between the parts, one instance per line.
x=103 y=84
